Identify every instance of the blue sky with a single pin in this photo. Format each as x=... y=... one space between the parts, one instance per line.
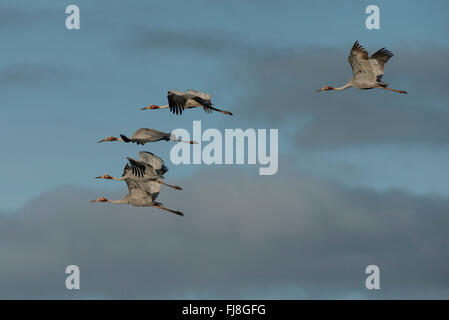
x=66 y=89
x=362 y=174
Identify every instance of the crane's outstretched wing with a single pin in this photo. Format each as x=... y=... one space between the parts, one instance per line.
x=135 y=190
x=202 y=98
x=151 y=187
x=132 y=185
x=137 y=168
x=378 y=61
x=141 y=188
x=200 y=94
x=382 y=56
x=126 y=169
x=357 y=58
x=176 y=101
x=366 y=70
x=144 y=135
x=153 y=161
x=147 y=134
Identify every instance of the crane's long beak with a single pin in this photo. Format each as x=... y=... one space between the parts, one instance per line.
x=319 y=90
x=102 y=140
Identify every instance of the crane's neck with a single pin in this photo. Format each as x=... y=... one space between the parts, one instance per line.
x=346 y=86
x=121 y=201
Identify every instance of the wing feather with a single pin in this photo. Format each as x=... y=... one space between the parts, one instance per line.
x=153 y=161
x=200 y=94
x=151 y=187
x=144 y=135
x=176 y=101
x=205 y=103
x=356 y=57
x=137 y=168
x=382 y=56
x=202 y=98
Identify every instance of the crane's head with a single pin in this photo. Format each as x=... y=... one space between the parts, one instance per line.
x=325 y=88
x=108 y=139
x=100 y=200
x=151 y=106
x=105 y=176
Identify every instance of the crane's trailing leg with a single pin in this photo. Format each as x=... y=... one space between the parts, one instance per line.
x=169 y=185
x=160 y=206
x=179 y=140
x=222 y=111
x=398 y=91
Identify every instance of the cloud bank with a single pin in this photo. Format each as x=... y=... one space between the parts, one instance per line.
x=286 y=236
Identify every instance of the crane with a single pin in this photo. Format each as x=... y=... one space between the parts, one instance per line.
x=179 y=100
x=144 y=135
x=149 y=168
x=140 y=197
x=367 y=71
